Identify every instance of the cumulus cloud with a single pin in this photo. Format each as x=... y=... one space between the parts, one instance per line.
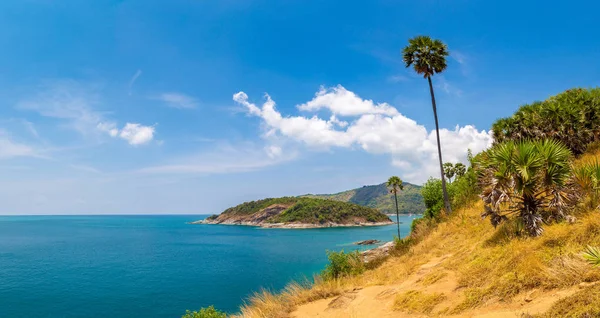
x=374 y=128
x=74 y=104
x=343 y=102
x=178 y=100
x=137 y=134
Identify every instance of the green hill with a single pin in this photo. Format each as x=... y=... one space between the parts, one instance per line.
x=299 y=212
x=378 y=197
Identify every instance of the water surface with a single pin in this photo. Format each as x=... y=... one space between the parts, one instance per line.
x=153 y=266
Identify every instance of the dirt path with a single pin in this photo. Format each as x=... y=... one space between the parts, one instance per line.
x=432 y=277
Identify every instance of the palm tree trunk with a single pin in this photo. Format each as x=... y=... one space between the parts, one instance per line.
x=397 y=215
x=437 y=133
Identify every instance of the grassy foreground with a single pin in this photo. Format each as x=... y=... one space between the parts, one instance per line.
x=463 y=267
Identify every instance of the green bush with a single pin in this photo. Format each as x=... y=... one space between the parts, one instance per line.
x=343 y=264
x=571 y=117
x=208 y=312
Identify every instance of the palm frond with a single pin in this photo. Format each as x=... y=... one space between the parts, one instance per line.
x=592 y=255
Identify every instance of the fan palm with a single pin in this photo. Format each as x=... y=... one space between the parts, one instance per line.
x=428 y=57
x=528 y=178
x=394 y=184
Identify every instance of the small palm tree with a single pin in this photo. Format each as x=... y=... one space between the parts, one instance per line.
x=449 y=171
x=459 y=170
x=528 y=178
x=394 y=184
x=428 y=57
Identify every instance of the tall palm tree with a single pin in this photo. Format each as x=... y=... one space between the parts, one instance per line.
x=428 y=57
x=395 y=184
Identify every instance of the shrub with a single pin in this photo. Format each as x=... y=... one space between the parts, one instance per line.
x=343 y=264
x=572 y=117
x=527 y=178
x=208 y=312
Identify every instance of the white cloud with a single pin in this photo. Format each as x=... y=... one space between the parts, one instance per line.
x=10 y=148
x=74 y=104
x=178 y=100
x=376 y=128
x=137 y=134
x=343 y=102
x=134 y=78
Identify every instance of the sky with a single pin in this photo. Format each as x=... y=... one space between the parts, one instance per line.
x=189 y=107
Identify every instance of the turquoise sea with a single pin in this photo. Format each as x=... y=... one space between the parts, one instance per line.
x=153 y=266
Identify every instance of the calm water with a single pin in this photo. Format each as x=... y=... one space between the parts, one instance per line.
x=152 y=266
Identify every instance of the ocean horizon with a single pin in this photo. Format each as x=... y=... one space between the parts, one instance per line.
x=154 y=265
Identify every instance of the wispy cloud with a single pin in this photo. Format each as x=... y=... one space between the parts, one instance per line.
x=225 y=159
x=10 y=148
x=178 y=100
x=398 y=78
x=85 y=168
x=134 y=78
x=74 y=104
x=447 y=87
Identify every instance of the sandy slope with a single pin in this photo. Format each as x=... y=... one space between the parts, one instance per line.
x=378 y=301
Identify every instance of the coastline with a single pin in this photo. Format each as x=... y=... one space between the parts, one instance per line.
x=294 y=225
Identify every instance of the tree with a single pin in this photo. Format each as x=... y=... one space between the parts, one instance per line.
x=449 y=171
x=527 y=178
x=459 y=170
x=394 y=184
x=428 y=57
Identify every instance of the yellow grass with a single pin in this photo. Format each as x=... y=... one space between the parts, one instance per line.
x=491 y=266
x=414 y=301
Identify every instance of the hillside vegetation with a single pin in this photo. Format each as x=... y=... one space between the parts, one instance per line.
x=539 y=189
x=522 y=240
x=379 y=197
x=295 y=210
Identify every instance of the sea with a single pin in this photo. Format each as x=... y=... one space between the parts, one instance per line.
x=155 y=266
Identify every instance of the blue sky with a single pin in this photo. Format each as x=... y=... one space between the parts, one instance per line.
x=110 y=107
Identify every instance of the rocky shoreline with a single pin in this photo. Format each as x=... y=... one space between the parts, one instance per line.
x=291 y=225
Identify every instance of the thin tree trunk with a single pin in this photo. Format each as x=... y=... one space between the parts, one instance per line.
x=437 y=133
x=397 y=215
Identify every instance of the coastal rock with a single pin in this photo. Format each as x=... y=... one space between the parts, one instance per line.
x=381 y=251
x=367 y=242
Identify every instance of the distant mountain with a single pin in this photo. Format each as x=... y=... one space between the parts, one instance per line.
x=379 y=197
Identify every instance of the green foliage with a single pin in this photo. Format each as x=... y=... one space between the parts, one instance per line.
x=394 y=184
x=433 y=197
x=425 y=55
x=592 y=255
x=527 y=178
x=378 y=197
x=208 y=312
x=449 y=171
x=343 y=264
x=572 y=117
x=310 y=210
x=586 y=178
x=255 y=206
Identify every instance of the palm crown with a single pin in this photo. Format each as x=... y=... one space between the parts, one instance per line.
x=427 y=56
x=394 y=184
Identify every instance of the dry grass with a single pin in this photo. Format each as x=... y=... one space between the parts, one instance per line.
x=584 y=304
x=414 y=301
x=491 y=266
